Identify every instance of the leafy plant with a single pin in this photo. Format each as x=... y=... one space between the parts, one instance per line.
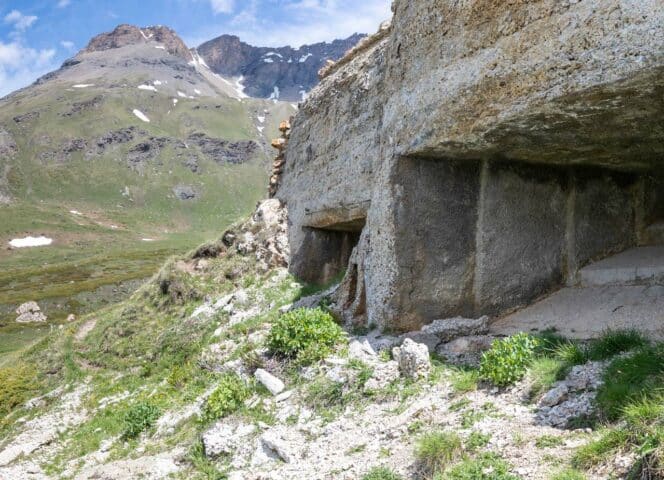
x=139 y=418
x=304 y=334
x=435 y=451
x=477 y=440
x=227 y=398
x=508 y=359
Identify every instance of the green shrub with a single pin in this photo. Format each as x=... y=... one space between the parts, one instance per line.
x=436 y=451
x=508 y=359
x=304 y=334
x=17 y=384
x=613 y=342
x=227 y=398
x=139 y=418
x=477 y=440
x=487 y=466
x=381 y=473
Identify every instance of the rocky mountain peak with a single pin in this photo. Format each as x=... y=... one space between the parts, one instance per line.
x=284 y=73
x=124 y=35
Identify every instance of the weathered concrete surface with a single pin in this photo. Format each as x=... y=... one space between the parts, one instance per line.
x=637 y=266
x=544 y=81
x=433 y=128
x=437 y=205
x=520 y=243
x=587 y=312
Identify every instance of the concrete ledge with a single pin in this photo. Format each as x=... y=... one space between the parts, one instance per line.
x=585 y=313
x=637 y=266
x=345 y=218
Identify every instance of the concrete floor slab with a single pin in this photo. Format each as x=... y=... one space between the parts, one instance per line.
x=636 y=266
x=584 y=313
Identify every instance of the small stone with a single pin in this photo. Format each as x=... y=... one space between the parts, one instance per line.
x=428 y=339
x=269 y=381
x=71 y=317
x=554 y=396
x=413 y=359
x=283 y=396
x=273 y=441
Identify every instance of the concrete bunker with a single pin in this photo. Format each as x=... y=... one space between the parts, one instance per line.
x=501 y=159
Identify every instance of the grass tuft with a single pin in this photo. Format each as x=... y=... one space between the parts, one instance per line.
x=435 y=451
x=614 y=342
x=381 y=473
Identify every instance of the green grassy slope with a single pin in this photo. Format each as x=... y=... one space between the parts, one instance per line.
x=117 y=204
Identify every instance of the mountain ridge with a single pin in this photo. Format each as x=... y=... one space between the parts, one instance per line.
x=293 y=71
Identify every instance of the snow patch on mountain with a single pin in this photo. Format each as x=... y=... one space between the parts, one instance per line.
x=141 y=116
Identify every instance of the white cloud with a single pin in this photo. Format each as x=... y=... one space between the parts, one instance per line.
x=67 y=45
x=20 y=65
x=222 y=6
x=19 y=21
x=63 y=3
x=310 y=21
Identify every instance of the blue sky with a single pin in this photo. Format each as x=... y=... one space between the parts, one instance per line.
x=37 y=35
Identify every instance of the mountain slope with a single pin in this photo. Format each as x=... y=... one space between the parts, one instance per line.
x=285 y=73
x=130 y=152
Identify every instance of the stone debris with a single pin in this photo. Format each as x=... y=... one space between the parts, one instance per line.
x=223 y=438
x=30 y=312
x=283 y=443
x=413 y=359
x=572 y=397
x=269 y=381
x=465 y=350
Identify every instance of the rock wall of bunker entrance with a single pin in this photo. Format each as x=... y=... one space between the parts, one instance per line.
x=487 y=237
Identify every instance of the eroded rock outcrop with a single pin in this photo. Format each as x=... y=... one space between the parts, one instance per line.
x=124 y=35
x=485 y=151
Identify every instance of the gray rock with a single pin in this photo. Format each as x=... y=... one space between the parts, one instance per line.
x=269 y=381
x=413 y=359
x=277 y=441
x=465 y=350
x=30 y=312
x=428 y=339
x=383 y=375
x=554 y=396
x=185 y=192
x=223 y=438
x=451 y=328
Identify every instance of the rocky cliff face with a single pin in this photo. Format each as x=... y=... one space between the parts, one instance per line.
x=285 y=73
x=478 y=154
